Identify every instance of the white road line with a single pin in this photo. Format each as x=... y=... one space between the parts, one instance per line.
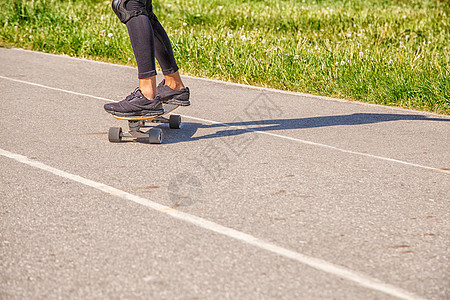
x=250 y=130
x=321 y=145
x=316 y=263
x=55 y=89
x=259 y=88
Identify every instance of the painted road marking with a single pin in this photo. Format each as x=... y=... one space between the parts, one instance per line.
x=258 y=88
x=316 y=263
x=250 y=130
x=321 y=145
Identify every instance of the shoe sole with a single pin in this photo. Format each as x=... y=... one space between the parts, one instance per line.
x=179 y=99
x=177 y=102
x=140 y=113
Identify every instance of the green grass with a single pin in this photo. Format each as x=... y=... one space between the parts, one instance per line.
x=380 y=51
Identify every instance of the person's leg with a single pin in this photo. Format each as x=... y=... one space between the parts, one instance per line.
x=142 y=40
x=171 y=89
x=144 y=100
x=165 y=57
x=164 y=52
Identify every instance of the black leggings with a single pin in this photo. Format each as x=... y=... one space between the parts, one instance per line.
x=149 y=40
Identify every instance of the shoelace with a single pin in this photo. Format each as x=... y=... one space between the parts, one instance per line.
x=132 y=96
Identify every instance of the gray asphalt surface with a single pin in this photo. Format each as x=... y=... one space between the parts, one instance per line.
x=359 y=186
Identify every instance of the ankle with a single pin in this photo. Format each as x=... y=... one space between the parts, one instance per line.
x=148 y=87
x=174 y=85
x=174 y=81
x=149 y=94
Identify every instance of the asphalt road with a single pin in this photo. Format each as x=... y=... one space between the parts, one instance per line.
x=261 y=194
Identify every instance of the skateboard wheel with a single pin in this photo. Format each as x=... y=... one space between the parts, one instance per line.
x=115 y=134
x=175 y=121
x=155 y=136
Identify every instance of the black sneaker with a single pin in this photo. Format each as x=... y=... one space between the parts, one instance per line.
x=135 y=104
x=174 y=97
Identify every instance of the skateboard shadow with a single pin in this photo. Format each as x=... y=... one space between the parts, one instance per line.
x=238 y=127
x=185 y=134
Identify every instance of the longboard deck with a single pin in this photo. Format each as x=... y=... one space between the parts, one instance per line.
x=167 y=109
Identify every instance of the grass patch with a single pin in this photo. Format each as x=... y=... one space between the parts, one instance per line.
x=379 y=51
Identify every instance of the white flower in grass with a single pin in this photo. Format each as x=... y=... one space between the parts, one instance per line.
x=30 y=37
x=361 y=54
x=342 y=63
x=230 y=35
x=184 y=24
x=106 y=43
x=296 y=57
x=110 y=34
x=243 y=38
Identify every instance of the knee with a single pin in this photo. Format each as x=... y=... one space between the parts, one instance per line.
x=150 y=14
x=127 y=9
x=152 y=17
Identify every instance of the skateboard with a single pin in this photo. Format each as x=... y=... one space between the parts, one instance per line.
x=135 y=123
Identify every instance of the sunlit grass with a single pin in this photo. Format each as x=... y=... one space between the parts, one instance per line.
x=386 y=52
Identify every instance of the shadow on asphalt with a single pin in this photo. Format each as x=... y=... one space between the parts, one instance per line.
x=186 y=134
